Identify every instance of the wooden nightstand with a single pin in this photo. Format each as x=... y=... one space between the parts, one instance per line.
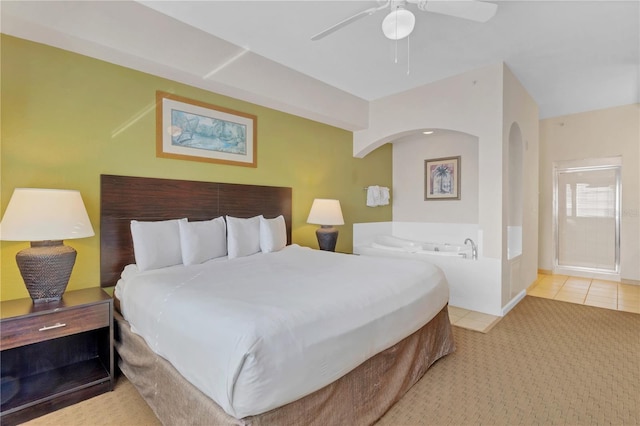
x=54 y=354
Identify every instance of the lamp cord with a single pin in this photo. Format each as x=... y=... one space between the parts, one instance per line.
x=408 y=54
x=396 y=37
x=396 y=52
x=396 y=46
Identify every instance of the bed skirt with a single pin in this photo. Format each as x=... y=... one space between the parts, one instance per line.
x=359 y=398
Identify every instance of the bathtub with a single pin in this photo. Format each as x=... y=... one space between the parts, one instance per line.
x=473 y=284
x=396 y=244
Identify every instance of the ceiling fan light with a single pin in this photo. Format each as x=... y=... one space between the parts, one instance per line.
x=398 y=24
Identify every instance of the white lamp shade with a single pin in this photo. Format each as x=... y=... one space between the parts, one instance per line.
x=325 y=212
x=45 y=214
x=398 y=24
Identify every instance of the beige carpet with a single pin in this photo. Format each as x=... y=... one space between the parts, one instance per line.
x=547 y=362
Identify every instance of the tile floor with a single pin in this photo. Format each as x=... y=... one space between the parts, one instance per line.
x=587 y=291
x=472 y=320
x=584 y=291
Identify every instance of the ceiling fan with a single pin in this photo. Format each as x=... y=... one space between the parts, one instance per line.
x=400 y=21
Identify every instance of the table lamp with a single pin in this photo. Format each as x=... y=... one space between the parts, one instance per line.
x=326 y=213
x=45 y=217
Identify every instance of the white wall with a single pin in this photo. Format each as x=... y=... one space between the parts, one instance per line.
x=596 y=134
x=520 y=108
x=483 y=103
x=409 y=155
x=470 y=103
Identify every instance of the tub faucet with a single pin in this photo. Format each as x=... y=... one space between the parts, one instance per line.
x=474 y=248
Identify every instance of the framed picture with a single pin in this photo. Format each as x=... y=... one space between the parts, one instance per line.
x=442 y=178
x=193 y=130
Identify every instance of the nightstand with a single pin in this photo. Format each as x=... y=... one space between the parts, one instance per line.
x=54 y=354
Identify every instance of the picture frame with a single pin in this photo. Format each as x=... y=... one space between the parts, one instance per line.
x=187 y=129
x=442 y=178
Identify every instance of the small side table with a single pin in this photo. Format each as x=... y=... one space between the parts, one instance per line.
x=54 y=354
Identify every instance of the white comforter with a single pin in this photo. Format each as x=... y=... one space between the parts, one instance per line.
x=257 y=332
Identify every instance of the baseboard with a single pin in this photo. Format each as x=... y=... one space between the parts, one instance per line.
x=513 y=302
x=545 y=271
x=628 y=281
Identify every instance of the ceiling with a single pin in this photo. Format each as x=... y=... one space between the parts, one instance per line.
x=571 y=56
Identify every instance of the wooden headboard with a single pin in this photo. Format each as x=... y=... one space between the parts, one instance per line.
x=123 y=198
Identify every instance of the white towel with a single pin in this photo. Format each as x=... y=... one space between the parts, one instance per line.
x=373 y=196
x=384 y=196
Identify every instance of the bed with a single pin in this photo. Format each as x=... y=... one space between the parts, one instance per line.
x=303 y=373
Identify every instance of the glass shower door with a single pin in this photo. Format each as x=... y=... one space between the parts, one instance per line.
x=588 y=218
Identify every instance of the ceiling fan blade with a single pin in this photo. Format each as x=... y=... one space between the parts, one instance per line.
x=349 y=20
x=478 y=11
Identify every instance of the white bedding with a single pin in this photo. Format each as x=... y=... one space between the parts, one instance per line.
x=257 y=332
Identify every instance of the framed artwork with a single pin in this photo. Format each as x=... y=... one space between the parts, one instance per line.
x=193 y=130
x=442 y=178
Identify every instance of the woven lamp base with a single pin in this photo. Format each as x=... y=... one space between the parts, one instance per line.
x=46 y=267
x=327 y=237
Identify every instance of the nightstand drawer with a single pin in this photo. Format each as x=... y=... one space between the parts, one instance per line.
x=24 y=331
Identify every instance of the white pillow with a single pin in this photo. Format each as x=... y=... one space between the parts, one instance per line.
x=273 y=234
x=156 y=244
x=243 y=236
x=202 y=240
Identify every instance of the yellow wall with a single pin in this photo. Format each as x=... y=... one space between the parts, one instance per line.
x=67 y=118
